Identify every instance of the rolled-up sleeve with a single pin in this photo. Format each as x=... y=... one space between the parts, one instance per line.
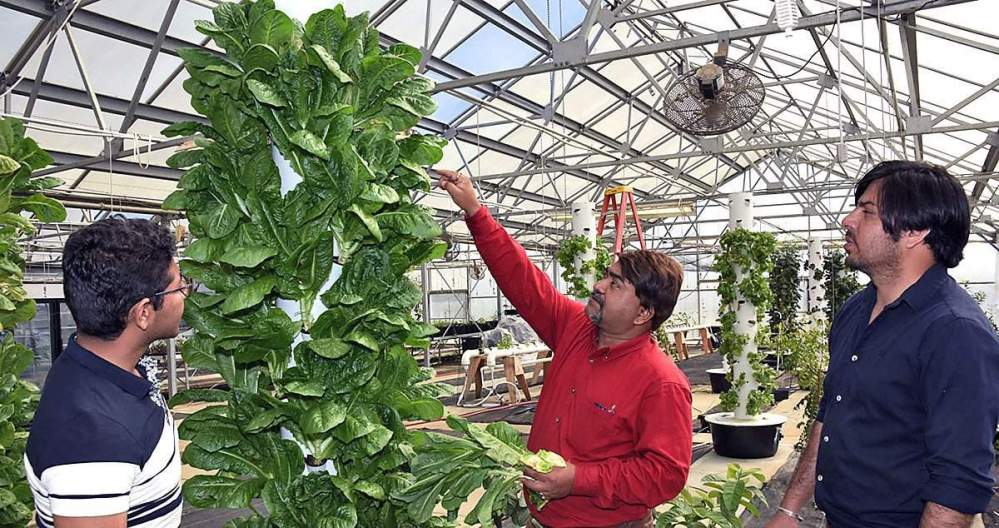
x=960 y=382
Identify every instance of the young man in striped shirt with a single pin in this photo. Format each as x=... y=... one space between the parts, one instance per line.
x=102 y=452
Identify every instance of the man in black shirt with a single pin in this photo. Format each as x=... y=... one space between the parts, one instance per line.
x=904 y=433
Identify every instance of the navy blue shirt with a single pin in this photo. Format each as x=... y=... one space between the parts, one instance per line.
x=909 y=407
x=102 y=442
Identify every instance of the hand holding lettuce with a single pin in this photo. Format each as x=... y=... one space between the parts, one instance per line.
x=492 y=457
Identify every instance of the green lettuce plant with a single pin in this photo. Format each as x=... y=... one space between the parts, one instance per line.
x=751 y=252
x=575 y=276
x=839 y=280
x=719 y=504
x=492 y=456
x=20 y=202
x=784 y=285
x=341 y=111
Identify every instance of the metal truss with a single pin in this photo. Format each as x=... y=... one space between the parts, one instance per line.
x=793 y=148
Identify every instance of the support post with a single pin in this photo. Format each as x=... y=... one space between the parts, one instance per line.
x=171 y=362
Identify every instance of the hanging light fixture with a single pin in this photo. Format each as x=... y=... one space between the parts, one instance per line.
x=787 y=15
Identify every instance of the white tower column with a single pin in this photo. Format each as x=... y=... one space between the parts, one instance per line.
x=740 y=206
x=583 y=223
x=301 y=10
x=816 y=288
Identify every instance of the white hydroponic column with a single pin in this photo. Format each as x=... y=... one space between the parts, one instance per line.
x=740 y=208
x=816 y=289
x=301 y=10
x=584 y=224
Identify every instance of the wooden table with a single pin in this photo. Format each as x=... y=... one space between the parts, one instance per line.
x=513 y=361
x=681 y=346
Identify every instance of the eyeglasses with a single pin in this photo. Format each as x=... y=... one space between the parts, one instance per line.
x=187 y=287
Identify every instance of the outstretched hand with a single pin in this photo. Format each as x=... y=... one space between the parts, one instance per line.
x=461 y=190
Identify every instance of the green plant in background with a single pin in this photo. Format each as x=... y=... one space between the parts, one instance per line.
x=575 y=278
x=492 y=457
x=506 y=341
x=784 y=284
x=719 y=504
x=979 y=297
x=751 y=252
x=340 y=110
x=20 y=202
x=839 y=280
x=807 y=350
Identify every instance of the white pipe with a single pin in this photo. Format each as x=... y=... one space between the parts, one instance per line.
x=584 y=224
x=301 y=10
x=816 y=288
x=741 y=215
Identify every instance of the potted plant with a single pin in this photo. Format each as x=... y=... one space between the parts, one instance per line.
x=743 y=430
x=20 y=202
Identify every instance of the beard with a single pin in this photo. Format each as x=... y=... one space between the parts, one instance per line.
x=878 y=258
x=595 y=308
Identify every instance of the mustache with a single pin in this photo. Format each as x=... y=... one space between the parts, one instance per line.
x=597 y=297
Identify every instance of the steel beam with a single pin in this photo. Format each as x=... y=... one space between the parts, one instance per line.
x=79 y=98
x=756 y=147
x=813 y=21
x=911 y=59
x=122 y=167
x=105 y=26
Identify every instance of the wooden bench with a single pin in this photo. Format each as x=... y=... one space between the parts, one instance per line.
x=513 y=361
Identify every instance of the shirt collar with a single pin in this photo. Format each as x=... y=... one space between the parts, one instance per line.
x=620 y=349
x=130 y=383
x=924 y=290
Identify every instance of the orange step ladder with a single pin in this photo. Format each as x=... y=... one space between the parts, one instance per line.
x=611 y=200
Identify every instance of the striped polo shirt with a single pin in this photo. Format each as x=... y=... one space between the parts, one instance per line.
x=102 y=442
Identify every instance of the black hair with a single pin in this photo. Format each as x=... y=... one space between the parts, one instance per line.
x=914 y=196
x=657 y=279
x=109 y=266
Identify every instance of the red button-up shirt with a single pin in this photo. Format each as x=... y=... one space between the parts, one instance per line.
x=620 y=414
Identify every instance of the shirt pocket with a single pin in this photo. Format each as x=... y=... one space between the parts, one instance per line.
x=598 y=430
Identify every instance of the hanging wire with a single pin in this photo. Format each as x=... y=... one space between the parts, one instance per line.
x=839 y=71
x=881 y=83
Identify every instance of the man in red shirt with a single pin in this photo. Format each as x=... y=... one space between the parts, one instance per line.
x=613 y=405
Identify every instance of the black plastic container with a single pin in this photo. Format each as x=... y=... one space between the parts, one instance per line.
x=746 y=441
x=719 y=383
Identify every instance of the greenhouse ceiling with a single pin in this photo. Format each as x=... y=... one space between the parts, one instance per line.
x=548 y=102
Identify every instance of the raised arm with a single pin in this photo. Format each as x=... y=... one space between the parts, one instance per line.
x=527 y=287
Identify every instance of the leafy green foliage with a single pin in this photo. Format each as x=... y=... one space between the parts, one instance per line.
x=20 y=200
x=807 y=350
x=784 y=284
x=719 y=504
x=493 y=457
x=575 y=277
x=839 y=280
x=751 y=253
x=340 y=110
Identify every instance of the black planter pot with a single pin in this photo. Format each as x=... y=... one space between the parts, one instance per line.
x=770 y=360
x=746 y=440
x=719 y=383
x=781 y=394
